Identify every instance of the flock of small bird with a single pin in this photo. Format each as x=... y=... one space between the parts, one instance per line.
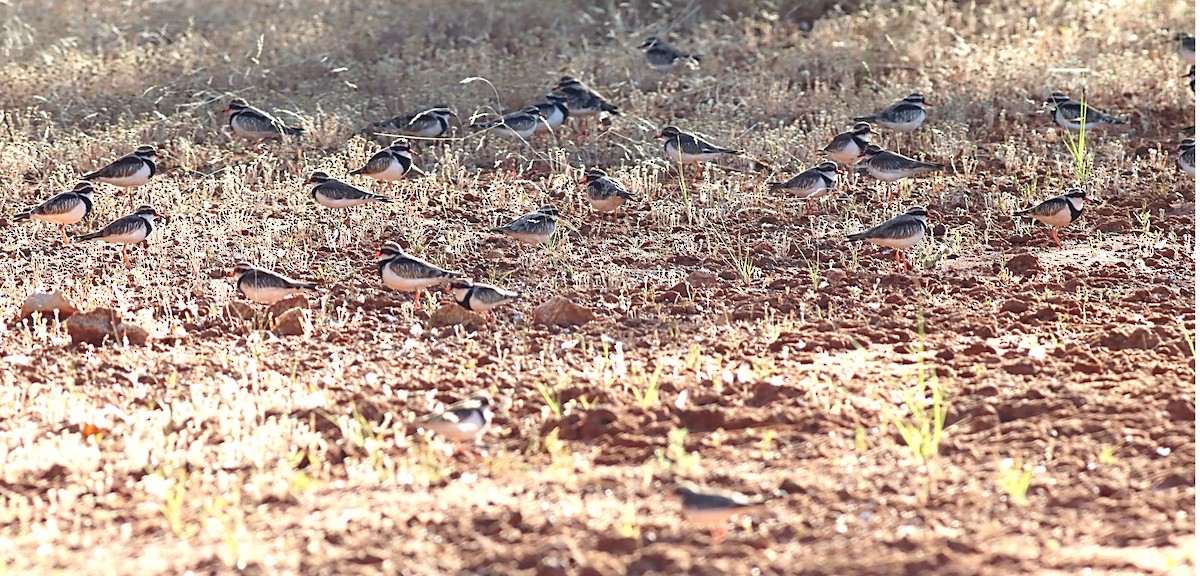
x=568 y=99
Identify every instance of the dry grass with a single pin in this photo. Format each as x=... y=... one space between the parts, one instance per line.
x=231 y=449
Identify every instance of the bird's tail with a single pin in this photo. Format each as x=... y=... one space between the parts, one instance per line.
x=1021 y=213
x=90 y=176
x=606 y=107
x=292 y=131
x=696 y=57
x=358 y=171
x=306 y=285
x=935 y=166
x=88 y=236
x=777 y=185
x=870 y=118
x=383 y=199
x=23 y=215
x=856 y=236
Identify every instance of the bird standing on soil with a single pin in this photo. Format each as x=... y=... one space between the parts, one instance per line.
x=389 y=164
x=1058 y=211
x=892 y=166
x=900 y=233
x=1187 y=156
x=127 y=230
x=903 y=116
x=521 y=125
x=582 y=100
x=605 y=194
x=131 y=170
x=713 y=509
x=1187 y=47
x=63 y=208
x=815 y=182
x=481 y=298
x=1070 y=114
x=686 y=148
x=664 y=57
x=848 y=147
x=404 y=272
x=462 y=421
x=533 y=228
x=250 y=123
x=264 y=286
x=333 y=193
x=428 y=123
x=554 y=110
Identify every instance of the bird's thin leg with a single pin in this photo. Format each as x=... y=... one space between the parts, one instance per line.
x=719 y=534
x=417 y=300
x=63 y=228
x=808 y=205
x=347 y=222
x=699 y=171
x=1054 y=235
x=125 y=256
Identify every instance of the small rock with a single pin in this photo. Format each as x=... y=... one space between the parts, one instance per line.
x=103 y=324
x=290 y=323
x=701 y=279
x=236 y=310
x=290 y=303
x=1023 y=264
x=47 y=305
x=451 y=314
x=559 y=311
x=1015 y=305
x=834 y=276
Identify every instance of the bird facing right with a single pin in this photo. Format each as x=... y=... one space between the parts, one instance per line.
x=1058 y=211
x=133 y=169
x=63 y=208
x=389 y=164
x=712 y=509
x=900 y=233
x=848 y=147
x=127 y=230
x=264 y=286
x=813 y=183
x=905 y=115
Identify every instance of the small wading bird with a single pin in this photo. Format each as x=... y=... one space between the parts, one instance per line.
x=900 y=233
x=389 y=164
x=333 y=193
x=892 y=166
x=131 y=229
x=849 y=147
x=264 y=286
x=533 y=228
x=250 y=123
x=481 y=298
x=431 y=122
x=582 y=100
x=1187 y=47
x=605 y=194
x=461 y=422
x=520 y=125
x=685 y=148
x=713 y=509
x=554 y=110
x=404 y=272
x=1187 y=156
x=664 y=57
x=63 y=208
x=1058 y=211
x=1070 y=114
x=133 y=169
x=903 y=116
x=816 y=182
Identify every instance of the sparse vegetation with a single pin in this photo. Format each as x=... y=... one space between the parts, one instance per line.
x=785 y=364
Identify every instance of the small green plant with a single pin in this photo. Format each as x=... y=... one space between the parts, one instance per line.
x=173 y=509
x=925 y=424
x=1081 y=160
x=766 y=444
x=646 y=396
x=1015 y=479
x=675 y=457
x=1108 y=455
x=551 y=398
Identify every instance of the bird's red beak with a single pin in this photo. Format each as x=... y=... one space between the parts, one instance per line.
x=378 y=254
x=227 y=109
x=232 y=272
x=928 y=105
